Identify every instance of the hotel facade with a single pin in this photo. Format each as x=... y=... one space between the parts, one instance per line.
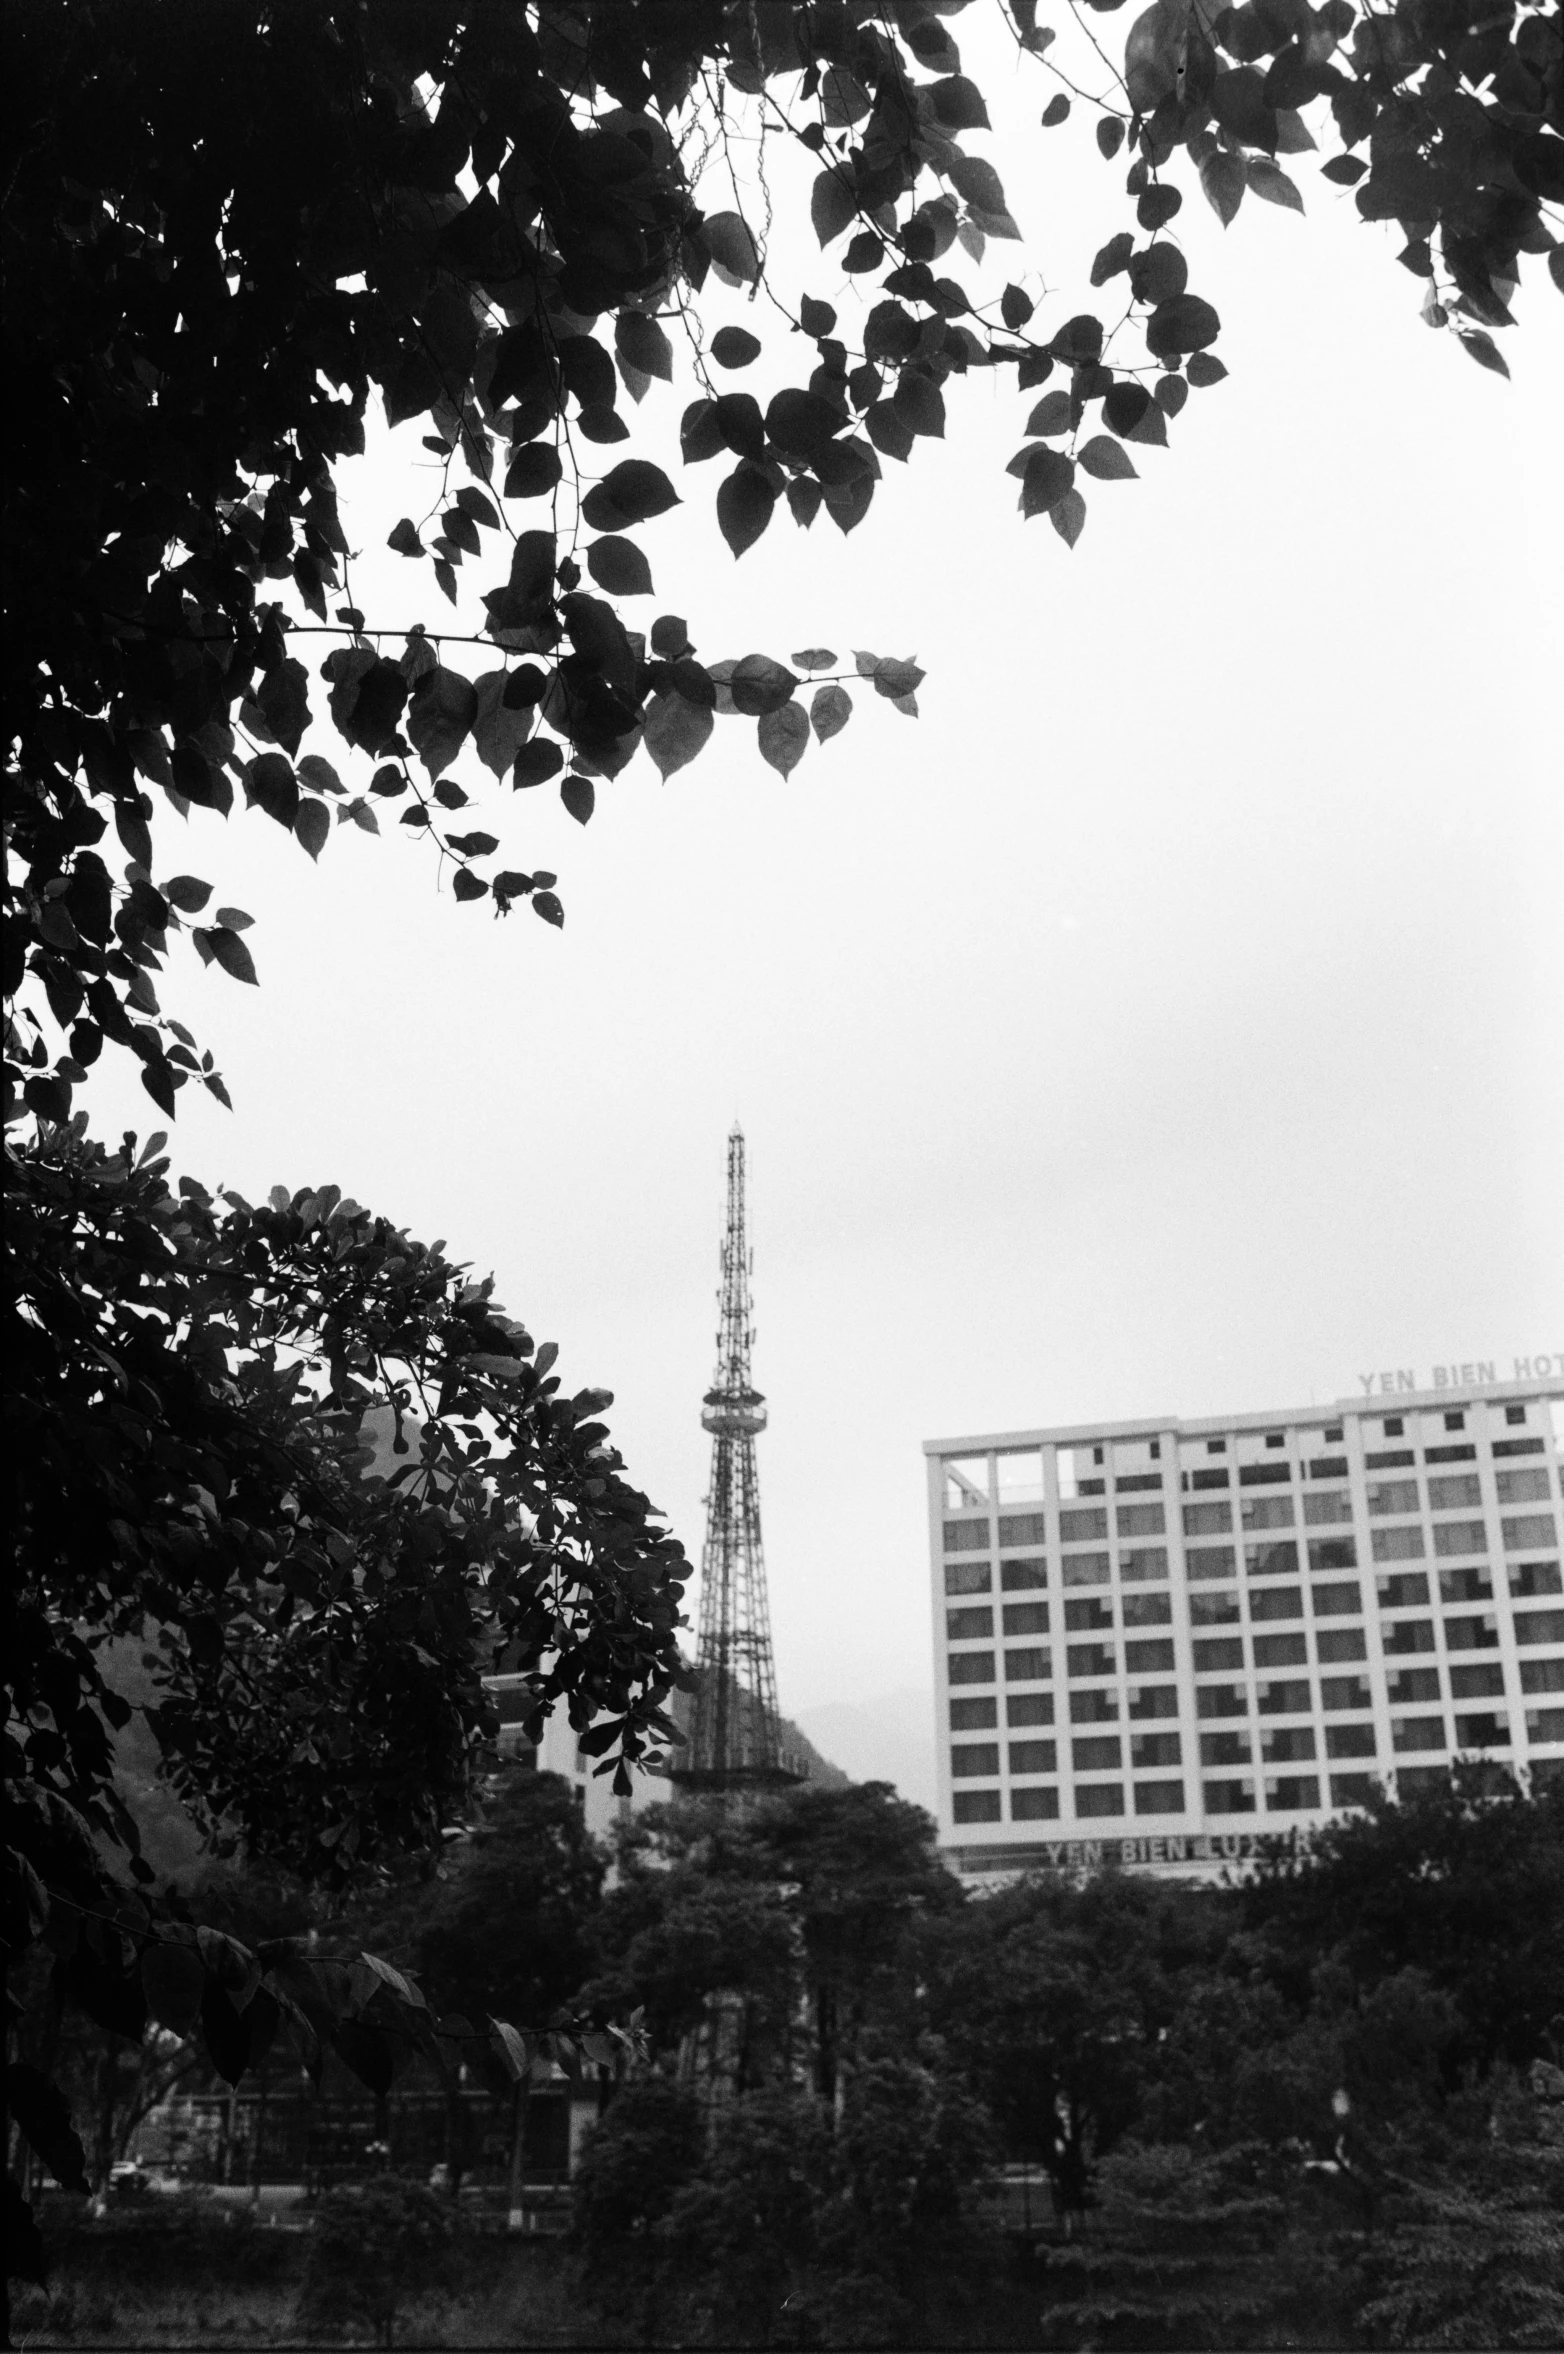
x=1161 y=1642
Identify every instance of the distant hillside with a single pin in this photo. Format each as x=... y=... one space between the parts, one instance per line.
x=888 y=1737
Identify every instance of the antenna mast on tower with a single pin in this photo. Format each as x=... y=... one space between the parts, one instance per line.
x=735 y=1739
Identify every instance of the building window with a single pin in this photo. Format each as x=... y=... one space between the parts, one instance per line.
x=1141 y=1520
x=1209 y=1478
x=1538 y=1626
x=1409 y=1634
x=1288 y=1698
x=1153 y=1700
x=1418 y=1732
x=1514 y=1414
x=1456 y=1492
x=975 y=1806
x=1349 y=1741
x=1287 y=1744
x=1276 y=1438
x=1271 y=1560
x=966 y=1481
x=1016 y=1577
x=1467 y=1454
x=1352 y=1789
x=1139 y=1483
x=1271 y=1602
x=1333 y=1553
x=1280 y=1651
x=1147 y=1610
x=1086 y=1569
x=968 y=1577
x=1082 y=1526
x=1267 y=1511
x=1472 y=1634
x=1098 y=1754
x=1036 y=1805
x=1214 y=1654
x=1216 y=1446
x=1029 y=1708
x=1084 y=1614
x=1099 y=1798
x=1529 y=1580
x=1031 y=1666
x=974 y=1759
x=1323 y=1505
x=1485 y=1731
x=1148 y=1657
x=1229 y=1798
x=1025 y=1618
x=1225 y=1749
x=973 y=1716
x=1466 y=1585
x=1410 y=1780
x=1479 y=1682
x=1291 y=1793
x=1529 y=1529
x=1397 y=1544
x=1035 y=1757
x=1545 y=1724
x=1091 y=1659
x=1159 y=1798
x=1143 y=1566
x=1460 y=1536
x=1263 y=1475
x=1394 y=1427
x=1333 y=1644
x=1204 y=1562
x=1154 y=1749
x=1340 y=1694
x=1411 y=1684
x=1334 y=1435
x=1336 y=1601
x=1219 y=1700
x=1099 y=1707
x=1390 y=1459
x=1407 y=1590
x=1023 y=1528
x=1523 y=1487
x=1207 y=1520
x=972 y=1667
x=1020 y=1475
x=966 y=1536
x=963 y=1626
x=1542 y=1675
x=1506 y=1447
x=1455 y=1422
x=1392 y=1495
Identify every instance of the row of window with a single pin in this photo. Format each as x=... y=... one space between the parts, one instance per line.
x=1407 y=1687
x=1399 y=1638
x=1284 y=1794
x=1390 y=1500
x=1209 y=1564
x=1266 y=1605
x=1104 y=1753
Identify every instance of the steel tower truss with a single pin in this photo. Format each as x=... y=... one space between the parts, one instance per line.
x=735 y=1738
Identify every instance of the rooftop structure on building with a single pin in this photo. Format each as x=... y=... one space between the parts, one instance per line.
x=1160 y=1642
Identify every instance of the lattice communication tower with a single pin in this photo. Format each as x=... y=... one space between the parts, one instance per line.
x=736 y=1737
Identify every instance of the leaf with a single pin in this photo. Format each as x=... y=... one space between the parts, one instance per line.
x=284 y=698
x=1205 y=368
x=270 y=784
x=670 y=636
x=919 y=404
x=577 y=794
x=320 y=773
x=816 y=658
x=784 y=737
x=1053 y=414
x=466 y=885
x=1158 y=274
x=511 y=2048
x=758 y=684
x=734 y=347
x=1056 y=111
x=843 y=98
x=367 y=2053
x=733 y=250
x=536 y=762
x=958 y=104
x=1157 y=206
x=226 y=2031
x=1015 y=308
x=631 y=492
x=224 y=947
x=1049 y=475
x=978 y=184
x=830 y=710
x=1186 y=324
x=546 y=905
x=1113 y=258
x=833 y=205
x=619 y=566
x=1345 y=170
x=186 y=892
x=1068 y=517
x=234 y=918
x=641 y=344
x=1267 y=179
x=405 y=538
x=1110 y=137
x=534 y=471
x=675 y=731
x=38 y=2107
x=1106 y=460
x=1224 y=180
x=173 y=1978
x=1483 y=349
x=500 y=727
x=896 y=679
x=744 y=506
x=312 y=826
x=816 y=318
x=440 y=717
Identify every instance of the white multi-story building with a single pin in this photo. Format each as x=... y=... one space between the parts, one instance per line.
x=1162 y=1641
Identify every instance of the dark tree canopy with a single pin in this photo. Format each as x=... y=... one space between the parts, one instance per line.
x=229 y=230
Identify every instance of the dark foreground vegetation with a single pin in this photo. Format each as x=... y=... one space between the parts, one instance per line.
x=1322 y=2109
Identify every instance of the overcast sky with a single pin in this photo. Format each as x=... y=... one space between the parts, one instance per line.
x=1167 y=1021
